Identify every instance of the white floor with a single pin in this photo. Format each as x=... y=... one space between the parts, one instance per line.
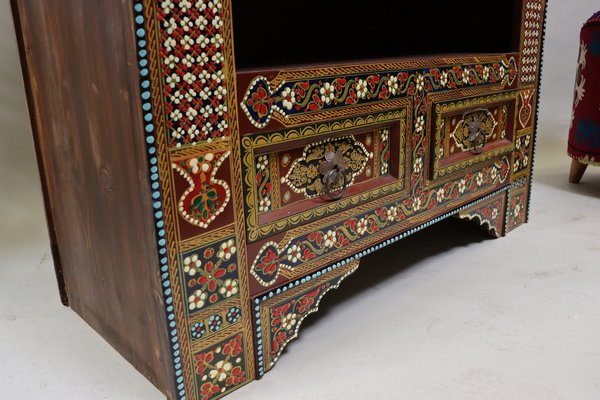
x=446 y=314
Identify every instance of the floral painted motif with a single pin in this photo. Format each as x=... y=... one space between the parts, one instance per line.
x=284 y=318
x=226 y=250
x=489 y=214
x=197 y=299
x=233 y=315
x=304 y=176
x=522 y=151
x=214 y=323
x=307 y=96
x=272 y=258
x=517 y=213
x=198 y=330
x=211 y=274
x=195 y=87
x=206 y=197
x=266 y=266
x=289 y=98
x=418 y=165
x=220 y=368
x=420 y=124
x=282 y=315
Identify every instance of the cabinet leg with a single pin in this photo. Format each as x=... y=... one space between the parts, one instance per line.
x=577 y=170
x=279 y=314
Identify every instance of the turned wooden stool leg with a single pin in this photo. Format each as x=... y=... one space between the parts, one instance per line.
x=577 y=170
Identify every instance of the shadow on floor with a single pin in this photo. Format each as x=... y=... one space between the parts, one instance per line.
x=382 y=265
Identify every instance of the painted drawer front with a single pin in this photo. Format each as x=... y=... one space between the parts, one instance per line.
x=290 y=117
x=297 y=252
x=283 y=180
x=470 y=130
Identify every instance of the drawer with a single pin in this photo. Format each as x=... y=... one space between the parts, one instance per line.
x=470 y=130
x=387 y=138
x=284 y=170
x=288 y=255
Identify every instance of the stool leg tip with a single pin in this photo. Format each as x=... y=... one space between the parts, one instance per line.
x=577 y=171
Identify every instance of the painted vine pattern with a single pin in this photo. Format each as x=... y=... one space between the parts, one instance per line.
x=314 y=95
x=272 y=258
x=384 y=151
x=263 y=184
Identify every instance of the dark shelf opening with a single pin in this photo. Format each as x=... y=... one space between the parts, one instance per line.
x=275 y=33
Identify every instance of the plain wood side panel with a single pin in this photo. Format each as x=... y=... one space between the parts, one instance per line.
x=79 y=62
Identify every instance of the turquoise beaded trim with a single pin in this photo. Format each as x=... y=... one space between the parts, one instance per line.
x=149 y=129
x=385 y=243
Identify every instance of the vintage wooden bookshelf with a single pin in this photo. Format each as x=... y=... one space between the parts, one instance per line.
x=212 y=168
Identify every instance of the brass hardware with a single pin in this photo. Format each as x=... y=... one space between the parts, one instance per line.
x=476 y=131
x=333 y=172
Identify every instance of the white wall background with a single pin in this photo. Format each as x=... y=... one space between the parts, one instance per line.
x=565 y=19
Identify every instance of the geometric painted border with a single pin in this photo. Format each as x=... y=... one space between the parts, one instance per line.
x=537 y=108
x=149 y=128
x=533 y=16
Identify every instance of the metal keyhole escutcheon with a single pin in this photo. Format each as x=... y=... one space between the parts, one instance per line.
x=476 y=131
x=333 y=173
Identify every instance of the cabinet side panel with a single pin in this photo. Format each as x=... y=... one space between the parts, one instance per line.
x=79 y=59
x=60 y=279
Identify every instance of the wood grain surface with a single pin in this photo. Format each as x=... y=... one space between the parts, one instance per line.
x=79 y=63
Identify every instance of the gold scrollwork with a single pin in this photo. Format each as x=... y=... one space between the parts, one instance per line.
x=462 y=134
x=479 y=103
x=252 y=143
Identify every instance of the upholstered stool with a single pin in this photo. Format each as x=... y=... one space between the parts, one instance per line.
x=584 y=135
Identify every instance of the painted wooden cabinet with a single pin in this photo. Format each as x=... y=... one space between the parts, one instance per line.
x=212 y=168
